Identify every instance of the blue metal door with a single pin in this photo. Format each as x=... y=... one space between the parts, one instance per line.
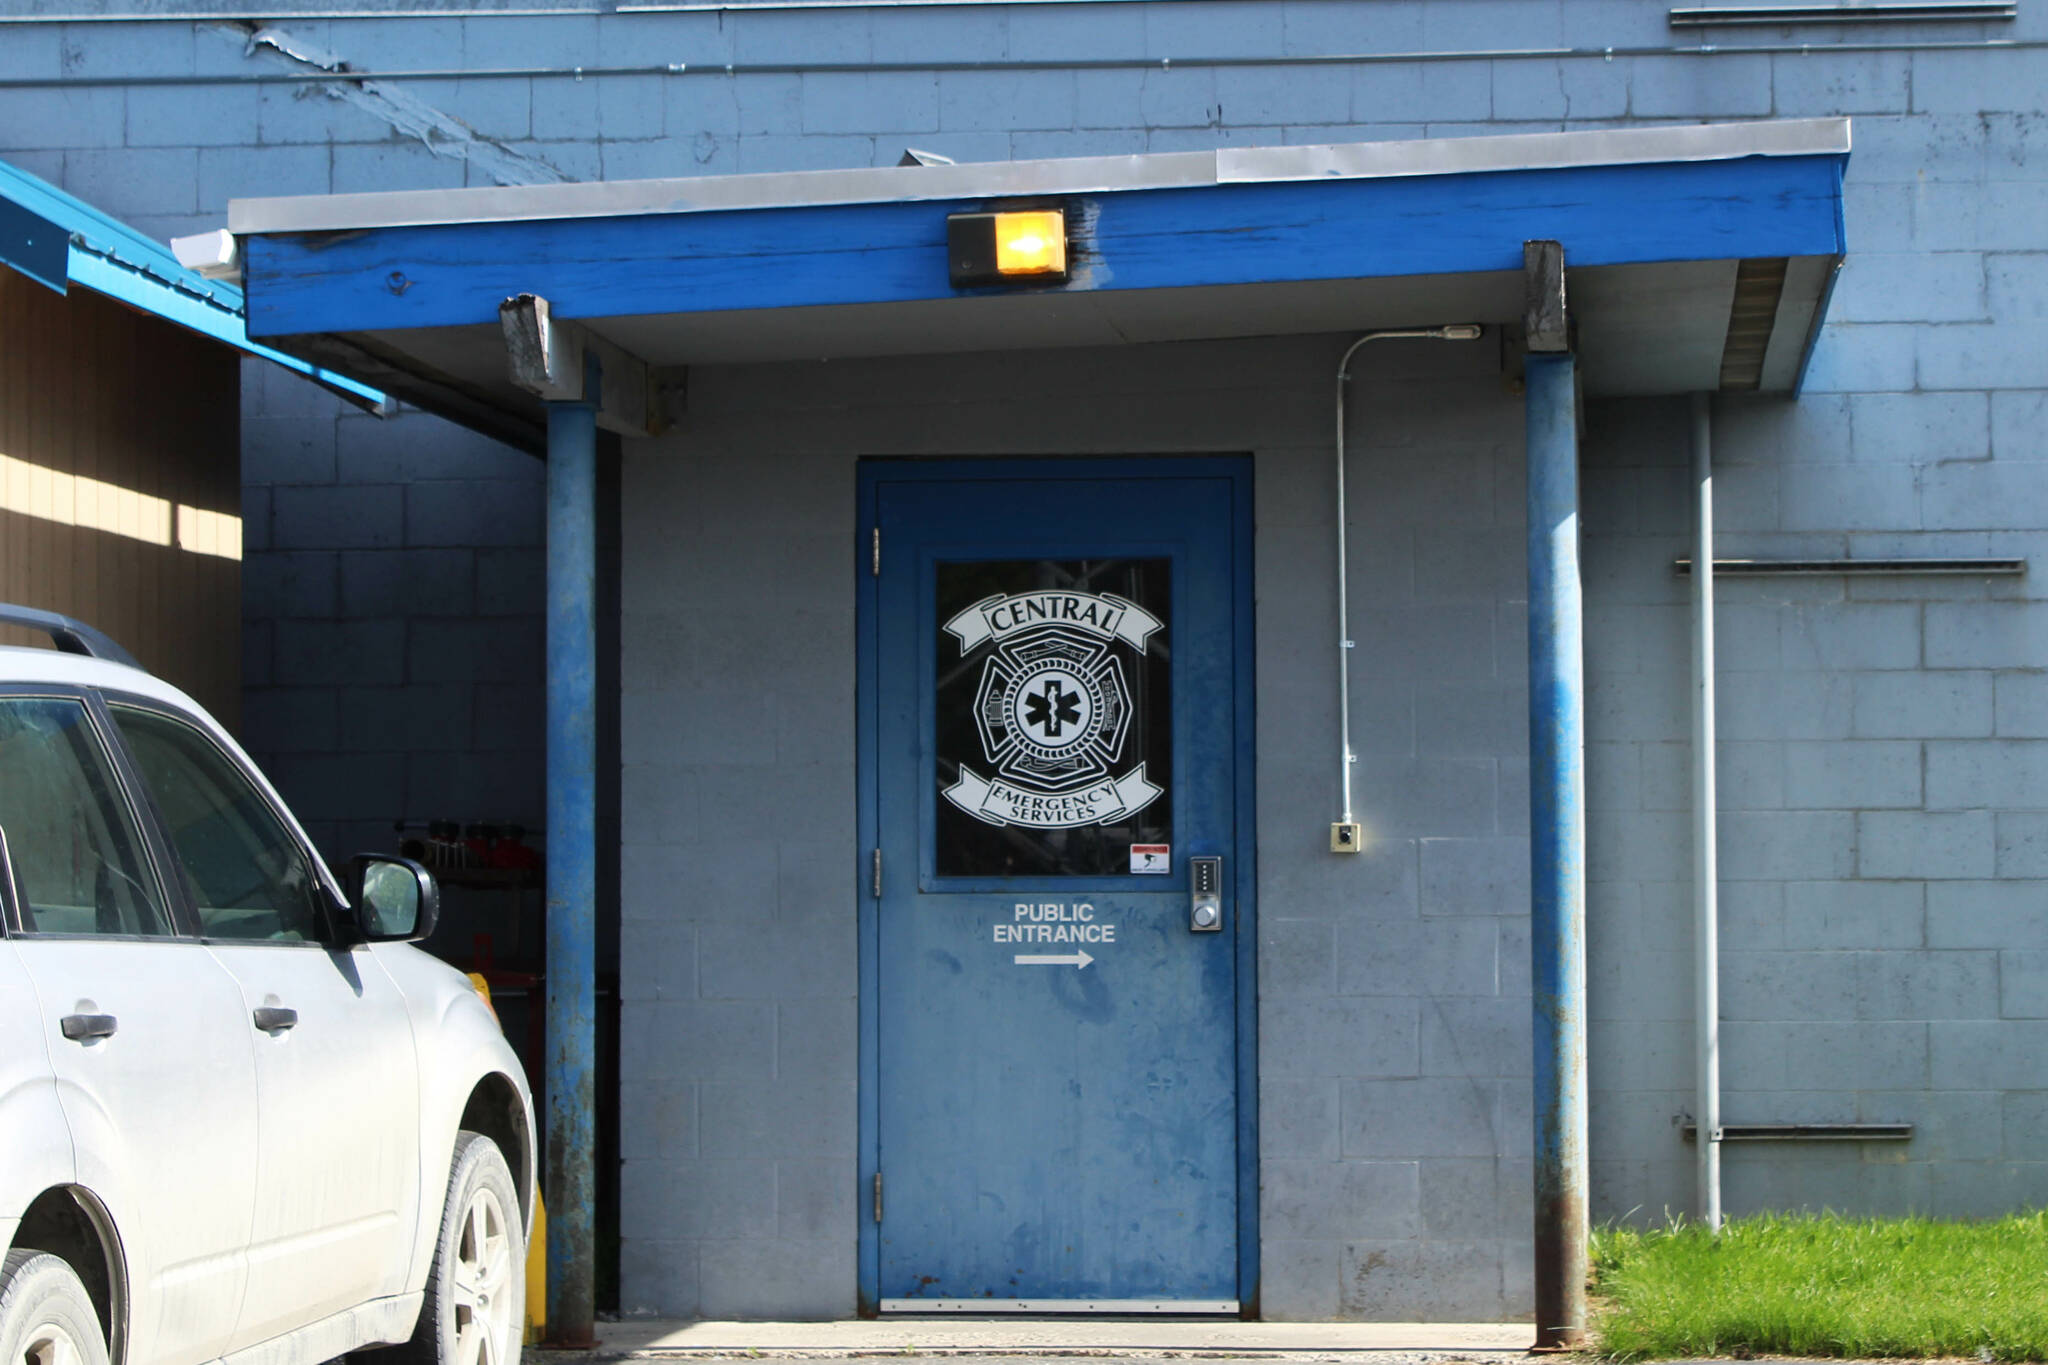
x=1056 y=1106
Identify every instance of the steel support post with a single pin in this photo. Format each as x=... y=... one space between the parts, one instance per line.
x=1557 y=852
x=572 y=868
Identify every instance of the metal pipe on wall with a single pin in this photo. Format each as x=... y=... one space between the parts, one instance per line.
x=1456 y=331
x=1706 y=872
x=571 y=1064
x=1557 y=848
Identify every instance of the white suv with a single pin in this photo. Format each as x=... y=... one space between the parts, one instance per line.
x=241 y=1119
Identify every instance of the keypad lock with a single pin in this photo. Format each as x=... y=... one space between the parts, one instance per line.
x=1205 y=895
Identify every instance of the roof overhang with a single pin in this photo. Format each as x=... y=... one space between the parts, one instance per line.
x=1683 y=245
x=58 y=241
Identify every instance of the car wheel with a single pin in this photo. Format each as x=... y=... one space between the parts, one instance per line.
x=475 y=1309
x=46 y=1317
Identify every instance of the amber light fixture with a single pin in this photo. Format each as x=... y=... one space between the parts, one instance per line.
x=1026 y=246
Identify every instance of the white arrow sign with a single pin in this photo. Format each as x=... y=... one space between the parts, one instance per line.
x=1074 y=960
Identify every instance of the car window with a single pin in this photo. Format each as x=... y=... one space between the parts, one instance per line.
x=248 y=876
x=71 y=837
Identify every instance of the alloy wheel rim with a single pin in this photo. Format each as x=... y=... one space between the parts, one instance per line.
x=485 y=1312
x=51 y=1344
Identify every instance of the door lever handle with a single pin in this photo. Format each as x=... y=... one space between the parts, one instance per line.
x=274 y=1018
x=79 y=1027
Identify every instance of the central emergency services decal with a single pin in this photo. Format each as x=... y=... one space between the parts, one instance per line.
x=1052 y=709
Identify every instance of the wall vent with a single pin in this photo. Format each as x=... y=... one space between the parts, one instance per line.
x=1937 y=12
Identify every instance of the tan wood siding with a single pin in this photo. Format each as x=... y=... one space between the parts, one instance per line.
x=98 y=400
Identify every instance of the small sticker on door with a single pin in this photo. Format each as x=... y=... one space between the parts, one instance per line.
x=1153 y=859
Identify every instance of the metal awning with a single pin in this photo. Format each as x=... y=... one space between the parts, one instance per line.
x=1700 y=258
x=58 y=241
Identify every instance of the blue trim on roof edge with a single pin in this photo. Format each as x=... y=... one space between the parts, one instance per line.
x=1234 y=233
x=89 y=248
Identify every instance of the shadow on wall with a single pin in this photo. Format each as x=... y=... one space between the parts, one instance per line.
x=392 y=616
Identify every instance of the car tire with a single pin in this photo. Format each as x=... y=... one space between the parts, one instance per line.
x=475 y=1308
x=46 y=1317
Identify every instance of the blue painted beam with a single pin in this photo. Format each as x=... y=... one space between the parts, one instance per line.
x=457 y=274
x=572 y=868
x=1557 y=849
x=34 y=245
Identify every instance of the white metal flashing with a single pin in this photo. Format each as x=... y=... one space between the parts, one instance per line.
x=1005 y=179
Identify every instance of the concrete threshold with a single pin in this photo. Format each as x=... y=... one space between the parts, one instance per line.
x=1382 y=1343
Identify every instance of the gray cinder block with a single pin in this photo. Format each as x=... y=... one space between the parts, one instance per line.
x=1871 y=82
x=474 y=512
x=1298 y=1279
x=2023 y=844
x=1298 y=1118
x=1957 y=844
x=279 y=720
x=1846 y=635
x=1340 y=1036
x=1986 y=914
x=700 y=1198
x=1474 y=876
x=361 y=517
x=1419 y=1117
x=2007 y=774
x=1849 y=914
x=1852 y=774
x=2023 y=983
x=1333 y=1200
x=287 y=584
x=329 y=653
x=755 y=1119
x=1928 y=985
x=1412 y=1279
x=2009 y=1054
x=1435 y=957
x=815 y=1200
x=1476 y=1038
x=778 y=1279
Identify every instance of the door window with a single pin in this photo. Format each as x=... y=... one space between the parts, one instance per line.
x=248 y=877
x=71 y=838
x=1053 y=717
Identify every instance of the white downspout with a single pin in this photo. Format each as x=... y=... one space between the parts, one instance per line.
x=1705 y=890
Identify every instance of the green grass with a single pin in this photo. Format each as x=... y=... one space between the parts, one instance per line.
x=1781 y=1284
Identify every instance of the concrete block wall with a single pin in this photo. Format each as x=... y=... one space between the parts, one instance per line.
x=1394 y=1097
x=392 y=616
x=1881 y=763
x=1878 y=888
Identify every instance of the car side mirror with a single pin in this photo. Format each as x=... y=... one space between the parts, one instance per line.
x=395 y=899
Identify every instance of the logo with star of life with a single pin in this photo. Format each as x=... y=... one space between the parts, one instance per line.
x=1052 y=708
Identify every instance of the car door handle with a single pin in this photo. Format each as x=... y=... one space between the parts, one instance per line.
x=79 y=1027
x=273 y=1018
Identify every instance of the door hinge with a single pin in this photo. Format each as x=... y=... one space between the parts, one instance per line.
x=875 y=874
x=875 y=561
x=878 y=1196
